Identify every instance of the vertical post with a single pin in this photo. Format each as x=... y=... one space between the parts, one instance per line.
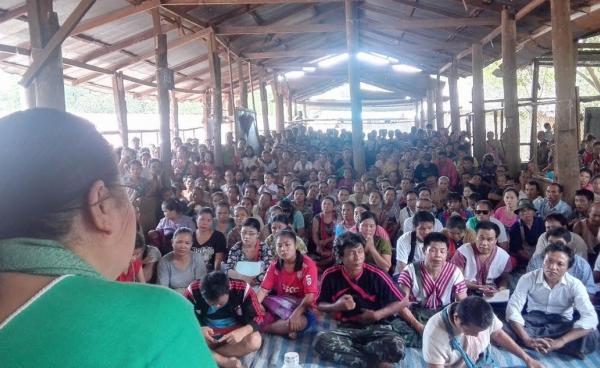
x=454 y=104
x=251 y=86
x=120 y=107
x=208 y=122
x=534 y=110
x=496 y=123
x=278 y=97
x=439 y=104
x=511 y=103
x=479 y=129
x=174 y=115
x=430 y=103
x=354 y=82
x=47 y=89
x=163 y=79
x=290 y=115
x=304 y=114
x=262 y=87
x=214 y=64
x=243 y=85
x=417 y=119
x=567 y=171
x=423 y=117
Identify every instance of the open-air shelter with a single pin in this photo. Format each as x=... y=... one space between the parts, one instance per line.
x=216 y=51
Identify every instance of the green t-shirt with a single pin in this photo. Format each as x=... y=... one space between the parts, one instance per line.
x=384 y=247
x=84 y=322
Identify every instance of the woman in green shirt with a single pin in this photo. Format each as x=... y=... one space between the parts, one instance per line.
x=378 y=251
x=68 y=232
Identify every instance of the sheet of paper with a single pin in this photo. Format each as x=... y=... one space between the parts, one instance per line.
x=248 y=268
x=500 y=297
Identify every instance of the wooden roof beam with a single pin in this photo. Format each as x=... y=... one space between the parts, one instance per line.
x=124 y=43
x=149 y=54
x=13 y=13
x=495 y=6
x=408 y=24
x=244 y=2
x=522 y=13
x=39 y=59
x=114 y=15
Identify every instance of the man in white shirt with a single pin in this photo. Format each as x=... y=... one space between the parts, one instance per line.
x=410 y=209
x=550 y=294
x=472 y=324
x=409 y=247
x=423 y=204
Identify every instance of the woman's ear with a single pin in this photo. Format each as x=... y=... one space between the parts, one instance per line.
x=98 y=207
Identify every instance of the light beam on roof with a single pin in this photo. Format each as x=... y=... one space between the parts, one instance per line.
x=372 y=58
x=326 y=63
x=294 y=74
x=404 y=68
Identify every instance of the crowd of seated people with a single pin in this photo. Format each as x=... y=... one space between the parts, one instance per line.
x=403 y=255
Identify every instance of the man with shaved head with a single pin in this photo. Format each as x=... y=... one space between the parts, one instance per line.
x=588 y=230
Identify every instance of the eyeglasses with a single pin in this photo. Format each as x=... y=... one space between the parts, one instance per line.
x=248 y=233
x=482 y=212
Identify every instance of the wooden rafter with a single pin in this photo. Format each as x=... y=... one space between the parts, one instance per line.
x=13 y=13
x=57 y=39
x=243 y=2
x=114 y=15
x=126 y=42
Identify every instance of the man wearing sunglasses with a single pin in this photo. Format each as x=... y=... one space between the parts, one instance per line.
x=483 y=212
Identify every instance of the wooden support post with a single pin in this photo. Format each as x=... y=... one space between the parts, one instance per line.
x=565 y=156
x=423 y=116
x=534 y=111
x=430 y=103
x=479 y=129
x=163 y=81
x=304 y=112
x=243 y=85
x=264 y=103
x=252 y=87
x=352 y=40
x=439 y=104
x=496 y=134
x=278 y=97
x=512 y=149
x=120 y=107
x=231 y=105
x=48 y=88
x=454 y=103
x=290 y=116
x=207 y=109
x=417 y=116
x=174 y=120
x=214 y=64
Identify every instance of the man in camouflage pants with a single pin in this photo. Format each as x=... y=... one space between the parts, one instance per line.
x=364 y=299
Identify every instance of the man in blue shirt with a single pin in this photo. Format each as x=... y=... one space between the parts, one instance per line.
x=553 y=202
x=581 y=268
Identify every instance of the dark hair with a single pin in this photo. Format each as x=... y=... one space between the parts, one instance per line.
x=251 y=186
x=558 y=185
x=586 y=170
x=487 y=225
x=486 y=203
x=534 y=183
x=350 y=203
x=585 y=193
x=280 y=218
x=55 y=157
x=510 y=190
x=558 y=217
x=347 y=240
x=434 y=237
x=251 y=222
x=422 y=216
x=560 y=247
x=560 y=232
x=172 y=204
x=411 y=192
x=452 y=196
x=182 y=230
x=367 y=215
x=299 y=187
x=289 y=233
x=456 y=222
x=214 y=285
x=475 y=311
x=139 y=241
x=206 y=211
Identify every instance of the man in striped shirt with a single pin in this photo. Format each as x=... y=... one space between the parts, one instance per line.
x=429 y=286
x=364 y=299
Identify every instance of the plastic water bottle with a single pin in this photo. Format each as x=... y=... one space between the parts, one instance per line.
x=291 y=360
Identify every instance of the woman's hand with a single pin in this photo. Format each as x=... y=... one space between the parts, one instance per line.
x=295 y=321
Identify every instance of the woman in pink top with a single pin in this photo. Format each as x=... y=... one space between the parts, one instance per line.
x=506 y=214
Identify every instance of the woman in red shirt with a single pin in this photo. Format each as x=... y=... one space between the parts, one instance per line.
x=289 y=289
x=134 y=271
